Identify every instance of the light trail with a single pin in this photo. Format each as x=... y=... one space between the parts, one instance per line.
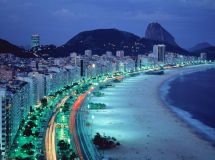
x=50 y=134
x=50 y=140
x=72 y=121
x=119 y=77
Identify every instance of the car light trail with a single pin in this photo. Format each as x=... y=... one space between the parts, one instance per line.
x=50 y=134
x=72 y=126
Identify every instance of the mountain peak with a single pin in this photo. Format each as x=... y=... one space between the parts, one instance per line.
x=156 y=32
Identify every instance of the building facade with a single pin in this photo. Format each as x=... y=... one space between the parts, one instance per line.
x=35 y=40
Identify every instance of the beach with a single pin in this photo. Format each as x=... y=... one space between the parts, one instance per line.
x=144 y=126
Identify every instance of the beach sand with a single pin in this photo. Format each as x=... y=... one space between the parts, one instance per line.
x=144 y=126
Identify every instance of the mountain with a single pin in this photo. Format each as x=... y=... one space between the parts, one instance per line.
x=7 y=47
x=146 y=46
x=200 y=46
x=156 y=32
x=99 y=41
x=102 y=40
x=209 y=50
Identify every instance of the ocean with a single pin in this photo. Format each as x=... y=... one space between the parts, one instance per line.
x=192 y=98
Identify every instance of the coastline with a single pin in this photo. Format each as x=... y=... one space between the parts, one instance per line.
x=152 y=131
x=197 y=127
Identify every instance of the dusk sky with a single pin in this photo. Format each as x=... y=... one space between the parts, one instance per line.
x=56 y=21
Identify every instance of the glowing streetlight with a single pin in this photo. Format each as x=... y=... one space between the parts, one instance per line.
x=93 y=117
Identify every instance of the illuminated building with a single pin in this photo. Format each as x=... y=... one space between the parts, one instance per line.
x=120 y=54
x=35 y=40
x=159 y=52
x=203 y=56
x=109 y=54
x=40 y=83
x=88 y=53
x=14 y=106
x=5 y=73
x=2 y=122
x=33 y=90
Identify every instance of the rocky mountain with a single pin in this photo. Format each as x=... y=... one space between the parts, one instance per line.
x=200 y=46
x=102 y=40
x=156 y=32
x=146 y=45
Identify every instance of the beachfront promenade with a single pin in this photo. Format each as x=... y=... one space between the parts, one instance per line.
x=71 y=134
x=144 y=125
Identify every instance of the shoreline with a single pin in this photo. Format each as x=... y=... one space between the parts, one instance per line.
x=197 y=127
x=200 y=129
x=153 y=131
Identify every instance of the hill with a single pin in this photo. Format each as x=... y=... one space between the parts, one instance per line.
x=102 y=40
x=7 y=47
x=200 y=46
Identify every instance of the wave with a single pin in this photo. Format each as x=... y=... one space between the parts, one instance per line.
x=203 y=130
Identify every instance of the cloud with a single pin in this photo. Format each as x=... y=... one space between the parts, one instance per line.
x=208 y=4
x=63 y=12
x=153 y=16
x=71 y=14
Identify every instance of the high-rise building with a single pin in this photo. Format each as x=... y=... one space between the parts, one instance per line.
x=120 y=54
x=2 y=123
x=6 y=73
x=88 y=53
x=40 y=84
x=35 y=40
x=73 y=57
x=82 y=68
x=14 y=106
x=203 y=56
x=159 y=52
x=33 y=90
x=109 y=53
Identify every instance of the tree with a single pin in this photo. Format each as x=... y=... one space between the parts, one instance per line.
x=36 y=134
x=44 y=101
x=27 y=132
x=28 y=146
x=33 y=118
x=73 y=156
x=105 y=142
x=63 y=145
x=32 y=124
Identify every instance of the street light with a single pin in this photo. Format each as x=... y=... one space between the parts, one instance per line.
x=92 y=117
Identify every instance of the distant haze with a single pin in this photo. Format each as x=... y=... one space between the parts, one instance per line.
x=189 y=21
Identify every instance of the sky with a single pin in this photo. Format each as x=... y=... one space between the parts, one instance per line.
x=57 y=21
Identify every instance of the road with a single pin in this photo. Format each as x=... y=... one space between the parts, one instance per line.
x=50 y=133
x=72 y=124
x=50 y=140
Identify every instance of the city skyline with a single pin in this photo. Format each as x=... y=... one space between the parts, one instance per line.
x=107 y=79
x=57 y=22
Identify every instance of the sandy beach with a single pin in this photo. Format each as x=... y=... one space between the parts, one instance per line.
x=145 y=127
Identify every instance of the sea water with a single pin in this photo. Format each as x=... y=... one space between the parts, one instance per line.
x=192 y=98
